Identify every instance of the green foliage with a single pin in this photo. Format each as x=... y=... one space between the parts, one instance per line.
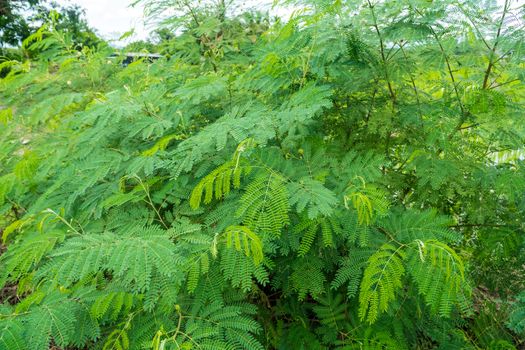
x=12 y=336
x=327 y=227
x=220 y=180
x=351 y=178
x=440 y=277
x=264 y=205
x=133 y=258
x=380 y=280
x=242 y=238
x=311 y=194
x=517 y=317
x=52 y=320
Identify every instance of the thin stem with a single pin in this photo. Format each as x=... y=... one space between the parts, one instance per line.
x=469 y=18
x=387 y=77
x=51 y=211
x=307 y=62
x=412 y=80
x=505 y=83
x=150 y=201
x=179 y=323
x=192 y=13
x=382 y=52
x=389 y=235
x=480 y=225
x=493 y=51
x=450 y=71
x=372 y=101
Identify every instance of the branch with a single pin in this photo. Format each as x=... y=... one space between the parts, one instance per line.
x=493 y=51
x=449 y=68
x=474 y=25
x=481 y=225
x=383 y=56
x=413 y=85
x=387 y=78
x=505 y=83
x=192 y=13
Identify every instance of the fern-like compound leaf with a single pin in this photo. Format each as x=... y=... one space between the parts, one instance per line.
x=264 y=206
x=244 y=239
x=439 y=274
x=134 y=259
x=382 y=278
x=313 y=196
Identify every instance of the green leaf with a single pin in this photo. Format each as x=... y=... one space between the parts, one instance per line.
x=382 y=279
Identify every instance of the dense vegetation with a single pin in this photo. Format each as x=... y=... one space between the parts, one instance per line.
x=352 y=178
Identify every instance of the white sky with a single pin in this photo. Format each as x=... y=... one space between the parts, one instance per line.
x=112 y=18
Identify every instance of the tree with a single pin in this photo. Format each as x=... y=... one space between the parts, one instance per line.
x=71 y=21
x=22 y=18
x=352 y=178
x=13 y=25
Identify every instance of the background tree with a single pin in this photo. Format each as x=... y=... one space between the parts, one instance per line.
x=14 y=26
x=20 y=19
x=70 y=20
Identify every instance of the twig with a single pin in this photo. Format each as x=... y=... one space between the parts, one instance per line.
x=493 y=51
